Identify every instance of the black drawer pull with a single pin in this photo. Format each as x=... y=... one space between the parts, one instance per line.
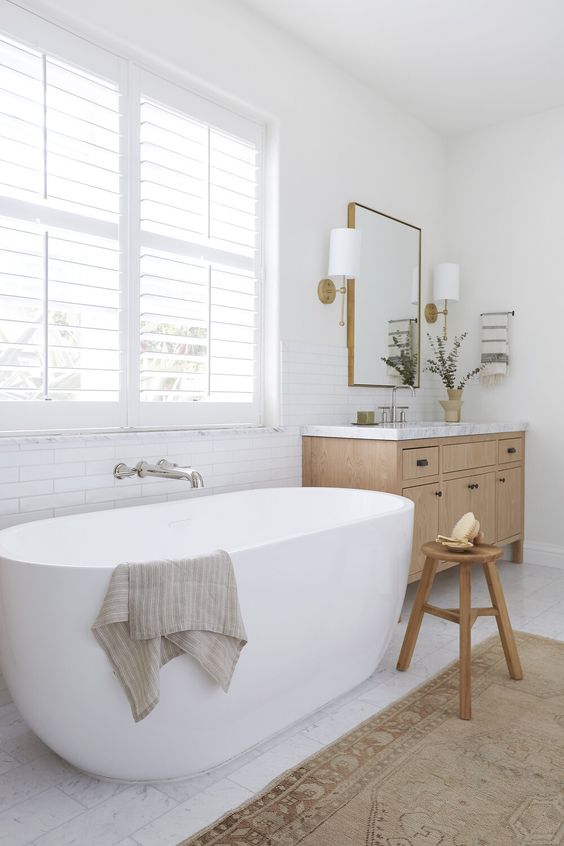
x=473 y=487
x=422 y=462
x=511 y=450
x=438 y=493
x=502 y=478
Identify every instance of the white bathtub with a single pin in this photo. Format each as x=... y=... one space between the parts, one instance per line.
x=321 y=574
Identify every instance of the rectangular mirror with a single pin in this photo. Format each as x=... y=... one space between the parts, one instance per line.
x=383 y=319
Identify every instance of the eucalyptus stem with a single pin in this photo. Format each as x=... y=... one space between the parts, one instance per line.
x=445 y=364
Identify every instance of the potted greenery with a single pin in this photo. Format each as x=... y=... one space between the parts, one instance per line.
x=404 y=363
x=445 y=365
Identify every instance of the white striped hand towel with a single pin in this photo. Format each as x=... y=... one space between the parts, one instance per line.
x=495 y=347
x=154 y=611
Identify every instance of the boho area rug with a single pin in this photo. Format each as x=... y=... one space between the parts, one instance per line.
x=416 y=775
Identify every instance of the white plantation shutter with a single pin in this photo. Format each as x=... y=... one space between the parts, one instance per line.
x=150 y=236
x=199 y=248
x=60 y=187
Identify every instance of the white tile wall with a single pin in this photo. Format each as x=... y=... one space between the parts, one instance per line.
x=51 y=475
x=315 y=390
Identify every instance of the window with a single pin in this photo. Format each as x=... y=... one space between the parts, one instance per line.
x=129 y=242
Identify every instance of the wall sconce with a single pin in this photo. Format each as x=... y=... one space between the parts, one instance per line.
x=446 y=286
x=344 y=261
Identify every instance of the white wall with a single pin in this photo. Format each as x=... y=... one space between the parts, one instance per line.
x=506 y=219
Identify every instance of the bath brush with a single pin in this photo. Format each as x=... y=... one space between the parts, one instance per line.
x=464 y=534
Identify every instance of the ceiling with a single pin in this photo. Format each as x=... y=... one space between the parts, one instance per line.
x=458 y=65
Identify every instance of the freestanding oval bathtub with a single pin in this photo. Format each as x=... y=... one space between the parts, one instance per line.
x=321 y=575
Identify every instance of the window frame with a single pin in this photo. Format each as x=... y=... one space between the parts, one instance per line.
x=134 y=80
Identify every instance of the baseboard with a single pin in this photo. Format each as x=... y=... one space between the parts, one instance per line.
x=545 y=554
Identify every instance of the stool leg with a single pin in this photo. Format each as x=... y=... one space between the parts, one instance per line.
x=416 y=616
x=465 y=663
x=503 y=621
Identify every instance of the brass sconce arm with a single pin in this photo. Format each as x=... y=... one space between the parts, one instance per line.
x=432 y=314
x=327 y=291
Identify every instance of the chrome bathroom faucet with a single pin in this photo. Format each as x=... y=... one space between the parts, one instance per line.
x=396 y=388
x=163 y=469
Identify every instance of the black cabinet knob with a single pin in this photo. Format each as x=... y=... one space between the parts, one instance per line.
x=422 y=462
x=502 y=478
x=511 y=450
x=438 y=493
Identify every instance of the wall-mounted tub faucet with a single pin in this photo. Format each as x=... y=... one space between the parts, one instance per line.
x=163 y=469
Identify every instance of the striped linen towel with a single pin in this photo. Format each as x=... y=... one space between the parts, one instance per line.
x=495 y=347
x=157 y=610
x=403 y=331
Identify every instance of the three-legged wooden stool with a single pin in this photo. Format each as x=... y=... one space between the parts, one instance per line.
x=465 y=616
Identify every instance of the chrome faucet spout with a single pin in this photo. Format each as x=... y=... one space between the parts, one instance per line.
x=395 y=389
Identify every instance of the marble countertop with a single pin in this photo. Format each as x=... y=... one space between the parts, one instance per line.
x=411 y=431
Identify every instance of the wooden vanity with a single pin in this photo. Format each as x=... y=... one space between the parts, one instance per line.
x=445 y=476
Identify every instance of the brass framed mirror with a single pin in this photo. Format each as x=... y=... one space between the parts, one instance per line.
x=383 y=302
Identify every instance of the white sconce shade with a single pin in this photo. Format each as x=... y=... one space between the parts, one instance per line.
x=446 y=282
x=344 y=253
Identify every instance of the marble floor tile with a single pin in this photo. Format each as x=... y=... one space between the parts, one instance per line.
x=7 y=762
x=332 y=726
x=89 y=791
x=18 y=740
x=23 y=782
x=32 y=817
x=111 y=821
x=191 y=816
x=392 y=687
x=258 y=773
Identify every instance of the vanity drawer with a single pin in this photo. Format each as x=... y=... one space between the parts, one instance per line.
x=420 y=462
x=468 y=456
x=510 y=449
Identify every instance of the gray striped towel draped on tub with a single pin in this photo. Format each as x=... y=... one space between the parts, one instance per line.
x=157 y=610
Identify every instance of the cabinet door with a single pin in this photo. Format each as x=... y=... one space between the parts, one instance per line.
x=473 y=493
x=426 y=525
x=509 y=503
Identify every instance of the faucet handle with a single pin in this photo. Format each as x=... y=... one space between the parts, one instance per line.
x=122 y=471
x=166 y=464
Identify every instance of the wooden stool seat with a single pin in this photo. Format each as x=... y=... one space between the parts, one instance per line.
x=464 y=615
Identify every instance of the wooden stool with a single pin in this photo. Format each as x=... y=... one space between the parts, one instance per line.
x=465 y=616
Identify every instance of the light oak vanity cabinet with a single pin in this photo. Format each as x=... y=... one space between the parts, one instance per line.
x=445 y=477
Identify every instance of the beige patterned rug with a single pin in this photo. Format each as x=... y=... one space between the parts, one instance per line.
x=416 y=775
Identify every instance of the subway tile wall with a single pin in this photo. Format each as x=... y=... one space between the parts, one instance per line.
x=315 y=390
x=51 y=475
